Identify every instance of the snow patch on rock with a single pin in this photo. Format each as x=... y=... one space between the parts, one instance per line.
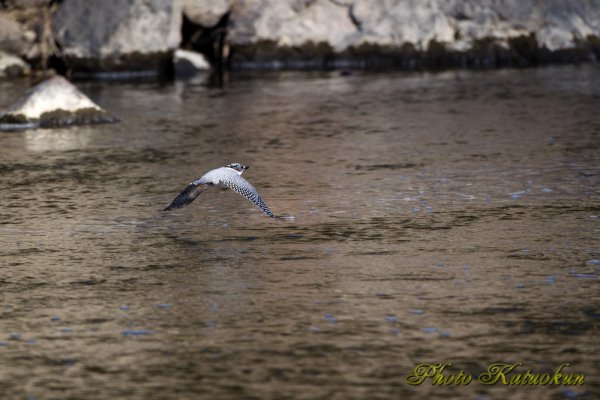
x=53 y=102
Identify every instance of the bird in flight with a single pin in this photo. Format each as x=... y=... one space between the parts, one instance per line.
x=229 y=176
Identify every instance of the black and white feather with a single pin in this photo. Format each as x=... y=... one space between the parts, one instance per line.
x=229 y=176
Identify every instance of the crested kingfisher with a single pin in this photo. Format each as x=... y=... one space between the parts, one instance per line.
x=229 y=176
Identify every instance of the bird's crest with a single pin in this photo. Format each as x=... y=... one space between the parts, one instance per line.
x=239 y=168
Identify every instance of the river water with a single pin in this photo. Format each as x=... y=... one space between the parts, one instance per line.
x=445 y=217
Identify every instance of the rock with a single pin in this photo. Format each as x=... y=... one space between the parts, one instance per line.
x=28 y=3
x=54 y=102
x=522 y=31
x=22 y=27
x=113 y=35
x=197 y=60
x=394 y=23
x=12 y=66
x=138 y=37
x=14 y=38
x=205 y=13
x=188 y=63
x=288 y=34
x=291 y=23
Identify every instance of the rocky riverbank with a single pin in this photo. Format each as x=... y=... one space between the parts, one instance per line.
x=139 y=37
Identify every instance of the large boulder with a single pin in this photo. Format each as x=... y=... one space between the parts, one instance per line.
x=205 y=13
x=54 y=102
x=276 y=33
x=291 y=23
x=15 y=37
x=24 y=28
x=117 y=35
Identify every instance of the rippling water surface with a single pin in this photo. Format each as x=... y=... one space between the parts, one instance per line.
x=449 y=217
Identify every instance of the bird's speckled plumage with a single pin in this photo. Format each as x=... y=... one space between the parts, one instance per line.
x=228 y=176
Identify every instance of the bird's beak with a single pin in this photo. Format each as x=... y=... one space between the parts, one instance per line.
x=246 y=167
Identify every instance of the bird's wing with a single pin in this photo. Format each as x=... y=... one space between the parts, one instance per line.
x=241 y=186
x=188 y=195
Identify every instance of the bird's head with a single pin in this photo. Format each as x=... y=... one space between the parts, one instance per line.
x=239 y=168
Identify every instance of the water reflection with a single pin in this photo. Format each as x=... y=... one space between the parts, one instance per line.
x=63 y=139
